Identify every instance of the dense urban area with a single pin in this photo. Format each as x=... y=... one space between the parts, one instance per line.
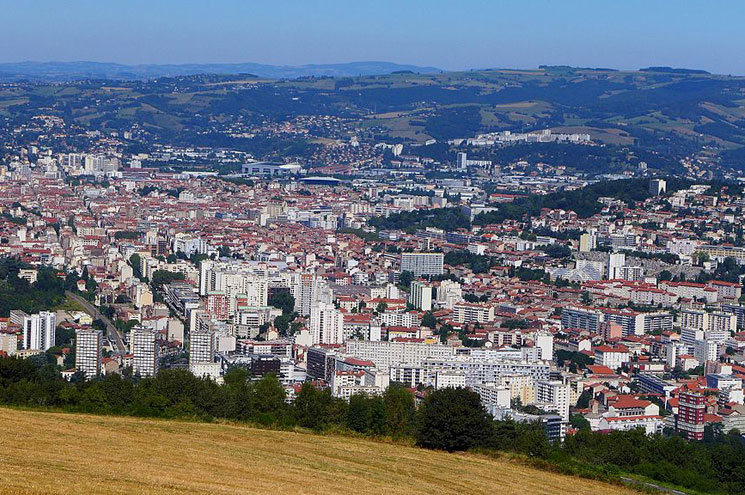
x=569 y=293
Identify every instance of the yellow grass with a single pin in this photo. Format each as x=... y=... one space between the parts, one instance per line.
x=51 y=453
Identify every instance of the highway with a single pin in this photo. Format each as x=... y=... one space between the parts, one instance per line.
x=111 y=331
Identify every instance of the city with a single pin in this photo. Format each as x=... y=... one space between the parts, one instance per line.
x=537 y=269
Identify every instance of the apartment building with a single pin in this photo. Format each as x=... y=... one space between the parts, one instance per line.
x=88 y=352
x=144 y=349
x=39 y=331
x=421 y=264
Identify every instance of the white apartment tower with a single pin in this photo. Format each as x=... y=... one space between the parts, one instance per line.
x=326 y=324
x=615 y=262
x=88 y=352
x=308 y=289
x=39 y=330
x=201 y=347
x=144 y=345
x=554 y=393
x=421 y=295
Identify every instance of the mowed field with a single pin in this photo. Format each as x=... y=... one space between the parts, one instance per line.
x=50 y=453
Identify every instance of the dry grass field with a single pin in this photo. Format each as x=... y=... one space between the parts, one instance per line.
x=49 y=453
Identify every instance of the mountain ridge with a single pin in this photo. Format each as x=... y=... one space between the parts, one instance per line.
x=54 y=71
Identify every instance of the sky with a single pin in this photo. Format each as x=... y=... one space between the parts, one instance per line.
x=451 y=35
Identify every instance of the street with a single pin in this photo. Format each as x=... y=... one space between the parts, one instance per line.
x=111 y=330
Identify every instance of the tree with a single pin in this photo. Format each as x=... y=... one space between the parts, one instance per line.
x=91 y=286
x=358 y=414
x=122 y=299
x=283 y=300
x=453 y=419
x=312 y=407
x=429 y=320
x=399 y=409
x=405 y=279
x=282 y=322
x=557 y=251
x=163 y=277
x=134 y=260
x=268 y=400
x=579 y=422
x=532 y=440
x=583 y=402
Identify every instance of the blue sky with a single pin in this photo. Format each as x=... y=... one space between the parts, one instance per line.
x=457 y=34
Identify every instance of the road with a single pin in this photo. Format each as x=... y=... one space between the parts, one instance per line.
x=111 y=331
x=644 y=484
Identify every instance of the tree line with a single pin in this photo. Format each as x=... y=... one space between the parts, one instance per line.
x=450 y=419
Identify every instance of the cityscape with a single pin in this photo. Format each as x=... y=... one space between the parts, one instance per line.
x=528 y=280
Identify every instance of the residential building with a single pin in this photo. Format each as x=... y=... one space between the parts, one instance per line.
x=422 y=264
x=144 y=348
x=88 y=352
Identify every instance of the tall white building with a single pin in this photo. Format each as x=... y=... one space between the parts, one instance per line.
x=39 y=330
x=422 y=263
x=243 y=284
x=587 y=242
x=308 y=289
x=545 y=342
x=710 y=322
x=449 y=293
x=420 y=295
x=615 y=262
x=657 y=187
x=144 y=345
x=201 y=347
x=553 y=393
x=326 y=324
x=88 y=352
x=386 y=354
x=706 y=350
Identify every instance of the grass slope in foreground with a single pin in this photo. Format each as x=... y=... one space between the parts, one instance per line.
x=49 y=453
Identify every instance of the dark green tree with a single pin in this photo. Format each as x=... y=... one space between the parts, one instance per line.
x=283 y=300
x=453 y=419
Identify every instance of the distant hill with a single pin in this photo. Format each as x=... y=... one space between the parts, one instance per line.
x=676 y=121
x=670 y=70
x=75 y=453
x=74 y=71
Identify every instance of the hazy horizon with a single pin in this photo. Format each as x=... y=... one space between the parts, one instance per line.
x=473 y=34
